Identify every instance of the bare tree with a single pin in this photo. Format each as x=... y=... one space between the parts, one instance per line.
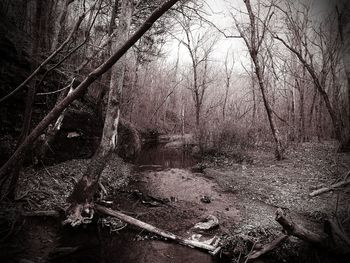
x=318 y=72
x=228 y=77
x=253 y=36
x=199 y=47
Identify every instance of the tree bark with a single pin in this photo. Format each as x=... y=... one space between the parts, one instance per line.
x=275 y=133
x=84 y=191
x=95 y=74
x=300 y=85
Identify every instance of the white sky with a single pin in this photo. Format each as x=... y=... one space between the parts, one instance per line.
x=220 y=16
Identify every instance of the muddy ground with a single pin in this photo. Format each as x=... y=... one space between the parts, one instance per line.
x=164 y=188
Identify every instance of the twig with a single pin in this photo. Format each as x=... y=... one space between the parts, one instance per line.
x=53 y=92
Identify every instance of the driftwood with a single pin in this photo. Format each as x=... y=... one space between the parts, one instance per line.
x=268 y=247
x=330 y=188
x=152 y=229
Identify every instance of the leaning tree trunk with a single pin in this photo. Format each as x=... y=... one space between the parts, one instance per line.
x=95 y=74
x=275 y=133
x=83 y=193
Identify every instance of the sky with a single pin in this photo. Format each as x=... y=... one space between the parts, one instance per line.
x=219 y=14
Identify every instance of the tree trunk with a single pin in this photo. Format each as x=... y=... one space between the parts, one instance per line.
x=343 y=22
x=95 y=74
x=292 y=112
x=254 y=102
x=319 y=110
x=275 y=133
x=311 y=112
x=301 y=109
x=27 y=119
x=225 y=100
x=84 y=191
x=302 y=117
x=253 y=41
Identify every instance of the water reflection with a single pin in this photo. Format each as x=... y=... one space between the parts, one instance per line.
x=158 y=155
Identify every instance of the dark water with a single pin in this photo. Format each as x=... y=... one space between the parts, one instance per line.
x=100 y=246
x=163 y=158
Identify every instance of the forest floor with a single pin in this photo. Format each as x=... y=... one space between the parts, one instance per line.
x=243 y=196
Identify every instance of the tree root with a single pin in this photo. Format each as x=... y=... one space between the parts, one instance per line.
x=79 y=214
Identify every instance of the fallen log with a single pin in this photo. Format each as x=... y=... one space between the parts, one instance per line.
x=329 y=188
x=297 y=230
x=152 y=229
x=334 y=239
x=267 y=248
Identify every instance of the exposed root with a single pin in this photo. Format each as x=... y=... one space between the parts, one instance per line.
x=79 y=214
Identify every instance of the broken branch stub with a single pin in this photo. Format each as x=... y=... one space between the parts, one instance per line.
x=297 y=230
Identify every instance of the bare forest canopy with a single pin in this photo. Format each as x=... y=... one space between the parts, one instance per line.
x=185 y=72
x=167 y=91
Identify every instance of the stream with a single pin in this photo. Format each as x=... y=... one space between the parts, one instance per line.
x=163 y=174
x=158 y=166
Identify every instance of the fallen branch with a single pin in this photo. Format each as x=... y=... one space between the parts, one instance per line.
x=268 y=247
x=330 y=188
x=155 y=230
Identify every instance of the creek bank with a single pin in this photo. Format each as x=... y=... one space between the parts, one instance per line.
x=243 y=196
